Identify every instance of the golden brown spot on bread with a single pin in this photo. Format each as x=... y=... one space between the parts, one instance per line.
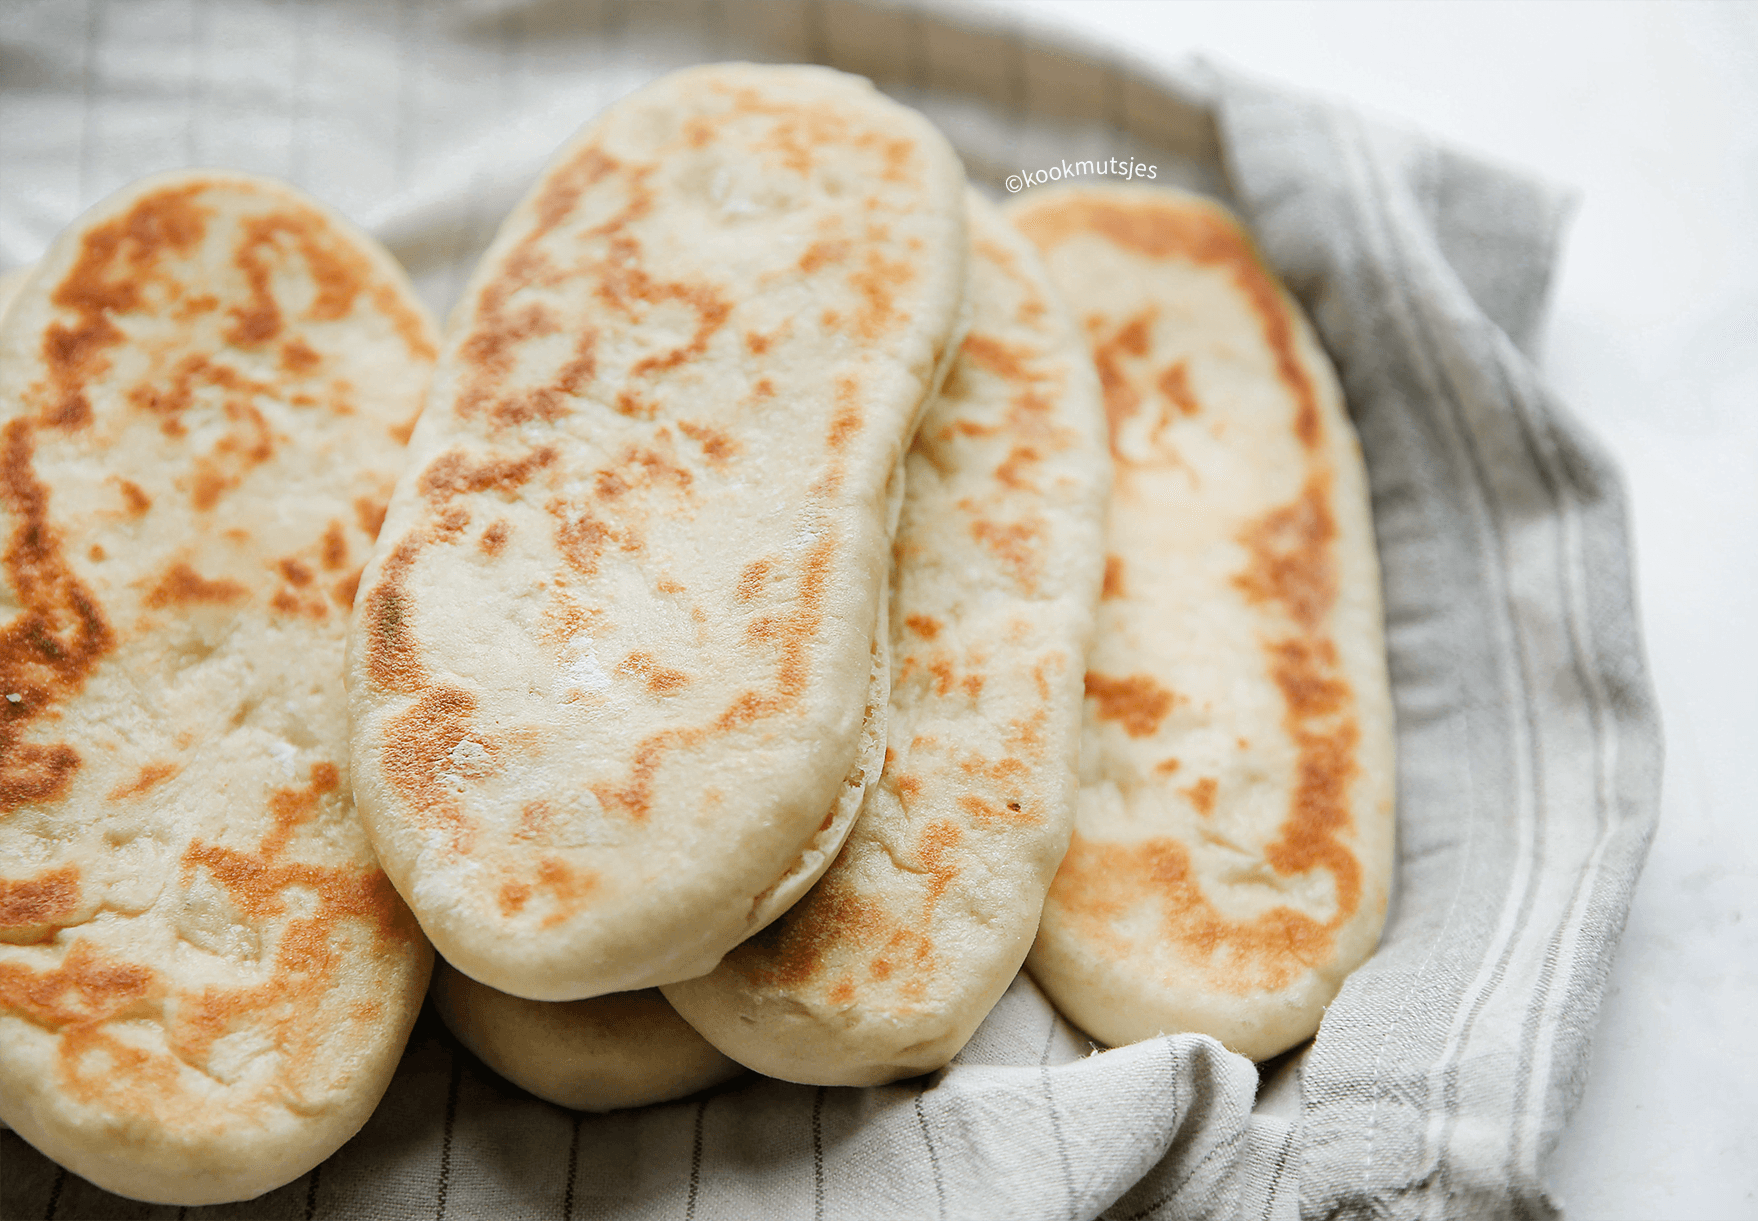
x=634 y=798
x=1202 y=235
x=97 y=553
x=181 y=585
x=622 y=284
x=644 y=468
x=792 y=634
x=925 y=626
x=833 y=919
x=1113 y=586
x=298 y=358
x=1174 y=383
x=581 y=541
x=51 y=644
x=878 y=281
x=247 y=444
x=345 y=588
x=512 y=897
x=334 y=547
x=936 y=841
x=290 y=603
x=1100 y=883
x=1165 y=767
x=448 y=524
x=416 y=758
x=630 y=404
x=716 y=445
x=569 y=886
x=1000 y=358
x=564 y=185
x=138 y=501
x=370 y=514
x=1202 y=795
x=828 y=250
x=1016 y=545
x=175 y=395
x=393 y=655
x=289 y=807
x=847 y=420
x=1121 y=397
x=1320 y=720
x=297 y=574
x=44 y=901
x=660 y=680
x=988 y=811
x=1290 y=563
x=339 y=272
x=1138 y=702
x=494 y=539
x=1011 y=471
x=88 y=987
x=117 y=261
x=488 y=354
x=752 y=578
x=148 y=777
x=453 y=474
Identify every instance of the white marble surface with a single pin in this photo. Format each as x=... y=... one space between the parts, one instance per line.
x=1651 y=112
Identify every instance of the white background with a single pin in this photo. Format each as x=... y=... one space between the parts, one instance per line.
x=1650 y=111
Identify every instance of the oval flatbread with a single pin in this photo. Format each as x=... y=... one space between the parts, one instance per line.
x=888 y=965
x=613 y=664
x=205 y=979
x=626 y=1049
x=1232 y=854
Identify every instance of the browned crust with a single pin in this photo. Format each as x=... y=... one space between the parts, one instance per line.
x=53 y=643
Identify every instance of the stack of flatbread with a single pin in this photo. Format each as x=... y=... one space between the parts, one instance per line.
x=805 y=592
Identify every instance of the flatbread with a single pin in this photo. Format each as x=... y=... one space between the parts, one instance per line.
x=1233 y=849
x=611 y=674
x=887 y=967
x=205 y=979
x=627 y=1049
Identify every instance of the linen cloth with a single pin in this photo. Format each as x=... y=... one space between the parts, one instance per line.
x=1528 y=743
